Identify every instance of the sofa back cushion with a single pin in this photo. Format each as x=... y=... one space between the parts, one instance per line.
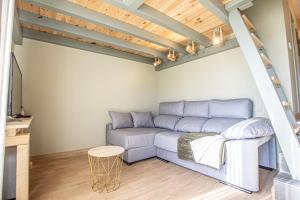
x=233 y=108
x=171 y=108
x=166 y=121
x=142 y=119
x=218 y=125
x=121 y=120
x=190 y=124
x=196 y=109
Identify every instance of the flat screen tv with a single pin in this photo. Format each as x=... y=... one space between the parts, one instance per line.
x=14 y=89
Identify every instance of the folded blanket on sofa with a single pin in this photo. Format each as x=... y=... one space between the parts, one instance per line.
x=209 y=150
x=184 y=150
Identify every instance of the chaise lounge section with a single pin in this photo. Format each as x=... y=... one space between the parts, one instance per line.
x=242 y=156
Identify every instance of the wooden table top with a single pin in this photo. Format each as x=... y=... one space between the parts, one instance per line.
x=106 y=151
x=19 y=123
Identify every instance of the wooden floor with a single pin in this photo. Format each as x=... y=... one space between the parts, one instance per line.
x=68 y=178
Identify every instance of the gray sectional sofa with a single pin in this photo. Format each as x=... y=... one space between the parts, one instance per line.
x=242 y=157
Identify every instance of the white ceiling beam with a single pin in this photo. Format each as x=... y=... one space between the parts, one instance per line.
x=229 y=44
x=238 y=4
x=161 y=19
x=17 y=29
x=62 y=41
x=36 y=20
x=135 y=4
x=77 y=11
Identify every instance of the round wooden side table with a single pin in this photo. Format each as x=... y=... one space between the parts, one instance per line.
x=106 y=167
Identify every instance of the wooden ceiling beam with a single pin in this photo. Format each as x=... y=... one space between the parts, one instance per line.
x=229 y=44
x=79 y=12
x=17 y=29
x=36 y=20
x=217 y=8
x=50 y=38
x=159 y=18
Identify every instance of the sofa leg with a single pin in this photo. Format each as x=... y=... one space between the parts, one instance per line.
x=127 y=163
x=236 y=187
x=131 y=163
x=161 y=159
x=266 y=168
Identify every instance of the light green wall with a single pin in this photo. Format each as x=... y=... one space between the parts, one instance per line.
x=69 y=92
x=221 y=76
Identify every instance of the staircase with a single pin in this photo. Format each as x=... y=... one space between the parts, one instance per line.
x=269 y=86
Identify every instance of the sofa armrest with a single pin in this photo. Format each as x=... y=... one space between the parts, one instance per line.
x=242 y=162
x=109 y=127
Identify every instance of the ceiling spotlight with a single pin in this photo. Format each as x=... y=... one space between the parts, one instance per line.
x=171 y=55
x=217 y=36
x=157 y=61
x=190 y=48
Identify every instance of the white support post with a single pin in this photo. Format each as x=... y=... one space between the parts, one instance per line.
x=6 y=28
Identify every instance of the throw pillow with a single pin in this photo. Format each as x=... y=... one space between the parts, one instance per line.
x=121 y=120
x=250 y=128
x=142 y=119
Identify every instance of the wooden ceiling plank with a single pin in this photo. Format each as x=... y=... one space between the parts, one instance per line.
x=217 y=8
x=230 y=44
x=94 y=17
x=29 y=18
x=50 y=38
x=17 y=29
x=159 y=18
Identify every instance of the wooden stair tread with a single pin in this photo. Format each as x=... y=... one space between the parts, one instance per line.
x=259 y=44
x=276 y=81
x=285 y=104
x=297 y=130
x=267 y=62
x=249 y=24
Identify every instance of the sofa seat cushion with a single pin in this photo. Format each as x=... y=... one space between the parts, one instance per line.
x=129 y=138
x=218 y=125
x=167 y=140
x=190 y=124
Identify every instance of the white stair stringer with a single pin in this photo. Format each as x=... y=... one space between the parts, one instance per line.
x=282 y=120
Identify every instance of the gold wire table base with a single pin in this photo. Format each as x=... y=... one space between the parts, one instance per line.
x=106 y=172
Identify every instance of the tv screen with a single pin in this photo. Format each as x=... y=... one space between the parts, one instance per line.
x=15 y=88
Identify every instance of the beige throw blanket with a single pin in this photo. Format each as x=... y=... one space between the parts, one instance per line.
x=209 y=150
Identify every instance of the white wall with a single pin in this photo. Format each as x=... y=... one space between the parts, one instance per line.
x=221 y=76
x=69 y=92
